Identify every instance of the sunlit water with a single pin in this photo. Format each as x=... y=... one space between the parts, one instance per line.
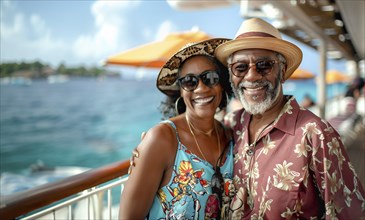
x=83 y=122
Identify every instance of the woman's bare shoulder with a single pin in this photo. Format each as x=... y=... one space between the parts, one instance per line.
x=158 y=142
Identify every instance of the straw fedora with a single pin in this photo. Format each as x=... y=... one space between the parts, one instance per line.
x=256 y=33
x=167 y=78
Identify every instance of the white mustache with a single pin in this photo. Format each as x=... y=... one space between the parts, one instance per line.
x=253 y=84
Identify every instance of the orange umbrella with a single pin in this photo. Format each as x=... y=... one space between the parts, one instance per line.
x=301 y=74
x=156 y=54
x=334 y=76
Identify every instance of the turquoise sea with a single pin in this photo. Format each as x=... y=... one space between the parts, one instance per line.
x=82 y=122
x=85 y=122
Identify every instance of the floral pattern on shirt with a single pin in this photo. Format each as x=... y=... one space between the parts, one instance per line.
x=299 y=170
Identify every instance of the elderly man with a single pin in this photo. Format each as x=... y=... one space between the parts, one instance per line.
x=289 y=163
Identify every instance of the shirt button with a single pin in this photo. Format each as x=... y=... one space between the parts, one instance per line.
x=249 y=152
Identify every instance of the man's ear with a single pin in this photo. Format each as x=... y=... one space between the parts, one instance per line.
x=283 y=71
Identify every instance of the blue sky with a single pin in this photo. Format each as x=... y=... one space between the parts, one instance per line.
x=87 y=32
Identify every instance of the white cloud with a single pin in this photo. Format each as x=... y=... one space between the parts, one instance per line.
x=164 y=29
x=111 y=28
x=30 y=37
x=24 y=39
x=38 y=25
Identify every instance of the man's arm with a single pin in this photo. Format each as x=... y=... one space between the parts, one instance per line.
x=336 y=179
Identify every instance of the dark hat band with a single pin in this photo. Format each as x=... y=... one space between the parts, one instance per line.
x=254 y=34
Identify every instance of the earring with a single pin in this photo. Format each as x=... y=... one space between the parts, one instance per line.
x=178 y=109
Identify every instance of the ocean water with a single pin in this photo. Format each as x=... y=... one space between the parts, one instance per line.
x=85 y=122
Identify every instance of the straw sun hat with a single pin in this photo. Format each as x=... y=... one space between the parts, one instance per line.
x=167 y=78
x=256 y=33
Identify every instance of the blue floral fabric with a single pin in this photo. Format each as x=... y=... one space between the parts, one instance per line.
x=188 y=195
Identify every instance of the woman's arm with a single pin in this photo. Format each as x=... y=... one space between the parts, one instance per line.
x=155 y=153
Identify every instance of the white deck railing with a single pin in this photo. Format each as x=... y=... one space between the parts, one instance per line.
x=94 y=194
x=94 y=203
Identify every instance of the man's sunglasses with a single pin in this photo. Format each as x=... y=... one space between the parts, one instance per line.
x=189 y=82
x=262 y=67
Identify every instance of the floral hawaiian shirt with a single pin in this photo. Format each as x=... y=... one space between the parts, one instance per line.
x=299 y=169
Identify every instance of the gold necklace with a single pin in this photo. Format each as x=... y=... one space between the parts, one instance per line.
x=196 y=141
x=207 y=133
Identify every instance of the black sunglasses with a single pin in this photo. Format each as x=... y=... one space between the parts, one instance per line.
x=218 y=185
x=189 y=82
x=262 y=67
x=218 y=188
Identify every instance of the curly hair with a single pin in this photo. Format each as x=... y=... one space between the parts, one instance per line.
x=170 y=107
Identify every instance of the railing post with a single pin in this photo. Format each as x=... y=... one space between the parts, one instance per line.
x=321 y=83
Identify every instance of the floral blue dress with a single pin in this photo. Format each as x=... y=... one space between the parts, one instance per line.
x=189 y=193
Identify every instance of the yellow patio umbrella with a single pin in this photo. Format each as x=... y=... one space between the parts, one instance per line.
x=301 y=74
x=334 y=76
x=155 y=54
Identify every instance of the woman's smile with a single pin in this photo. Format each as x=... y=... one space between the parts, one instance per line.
x=203 y=100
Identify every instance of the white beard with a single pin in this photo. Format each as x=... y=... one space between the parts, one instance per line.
x=272 y=93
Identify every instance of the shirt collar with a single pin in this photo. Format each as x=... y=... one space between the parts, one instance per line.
x=287 y=118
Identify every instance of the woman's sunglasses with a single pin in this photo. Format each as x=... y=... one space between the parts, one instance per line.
x=218 y=188
x=217 y=185
x=189 y=82
x=262 y=67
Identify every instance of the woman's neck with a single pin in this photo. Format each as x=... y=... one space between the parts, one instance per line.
x=202 y=125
